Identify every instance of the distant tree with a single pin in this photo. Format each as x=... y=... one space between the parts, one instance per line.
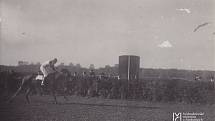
x=107 y=69
x=107 y=66
x=71 y=64
x=61 y=64
x=78 y=65
x=91 y=67
x=23 y=63
x=115 y=69
x=38 y=63
x=116 y=65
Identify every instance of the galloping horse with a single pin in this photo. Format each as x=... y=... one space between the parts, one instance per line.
x=53 y=82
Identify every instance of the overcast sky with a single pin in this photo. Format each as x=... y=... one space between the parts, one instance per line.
x=96 y=32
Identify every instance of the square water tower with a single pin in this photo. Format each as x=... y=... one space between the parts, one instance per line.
x=129 y=66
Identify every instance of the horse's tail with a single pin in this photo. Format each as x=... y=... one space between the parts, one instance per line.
x=25 y=79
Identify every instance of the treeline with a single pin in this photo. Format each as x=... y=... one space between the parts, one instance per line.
x=144 y=73
x=190 y=75
x=108 y=70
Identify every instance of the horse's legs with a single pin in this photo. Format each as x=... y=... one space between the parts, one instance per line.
x=65 y=97
x=15 y=94
x=64 y=94
x=40 y=90
x=27 y=95
x=65 y=90
x=53 y=94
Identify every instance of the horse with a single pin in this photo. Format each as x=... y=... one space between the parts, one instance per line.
x=53 y=82
x=9 y=81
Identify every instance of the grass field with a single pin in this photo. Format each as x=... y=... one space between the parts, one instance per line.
x=96 y=109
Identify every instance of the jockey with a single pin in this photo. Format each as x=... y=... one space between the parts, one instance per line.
x=48 y=68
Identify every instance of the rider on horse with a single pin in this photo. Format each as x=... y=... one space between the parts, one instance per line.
x=48 y=68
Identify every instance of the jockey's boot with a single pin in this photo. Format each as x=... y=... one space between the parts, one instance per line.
x=42 y=83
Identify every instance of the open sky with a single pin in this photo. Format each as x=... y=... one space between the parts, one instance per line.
x=96 y=32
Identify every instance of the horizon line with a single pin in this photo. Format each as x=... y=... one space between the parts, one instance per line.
x=162 y=68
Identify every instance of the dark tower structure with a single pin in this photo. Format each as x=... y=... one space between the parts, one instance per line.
x=129 y=67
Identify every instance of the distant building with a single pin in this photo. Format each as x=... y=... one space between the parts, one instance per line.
x=129 y=66
x=22 y=63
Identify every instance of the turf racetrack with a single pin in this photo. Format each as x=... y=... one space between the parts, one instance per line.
x=95 y=109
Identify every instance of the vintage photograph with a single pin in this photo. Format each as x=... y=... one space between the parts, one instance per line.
x=107 y=60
